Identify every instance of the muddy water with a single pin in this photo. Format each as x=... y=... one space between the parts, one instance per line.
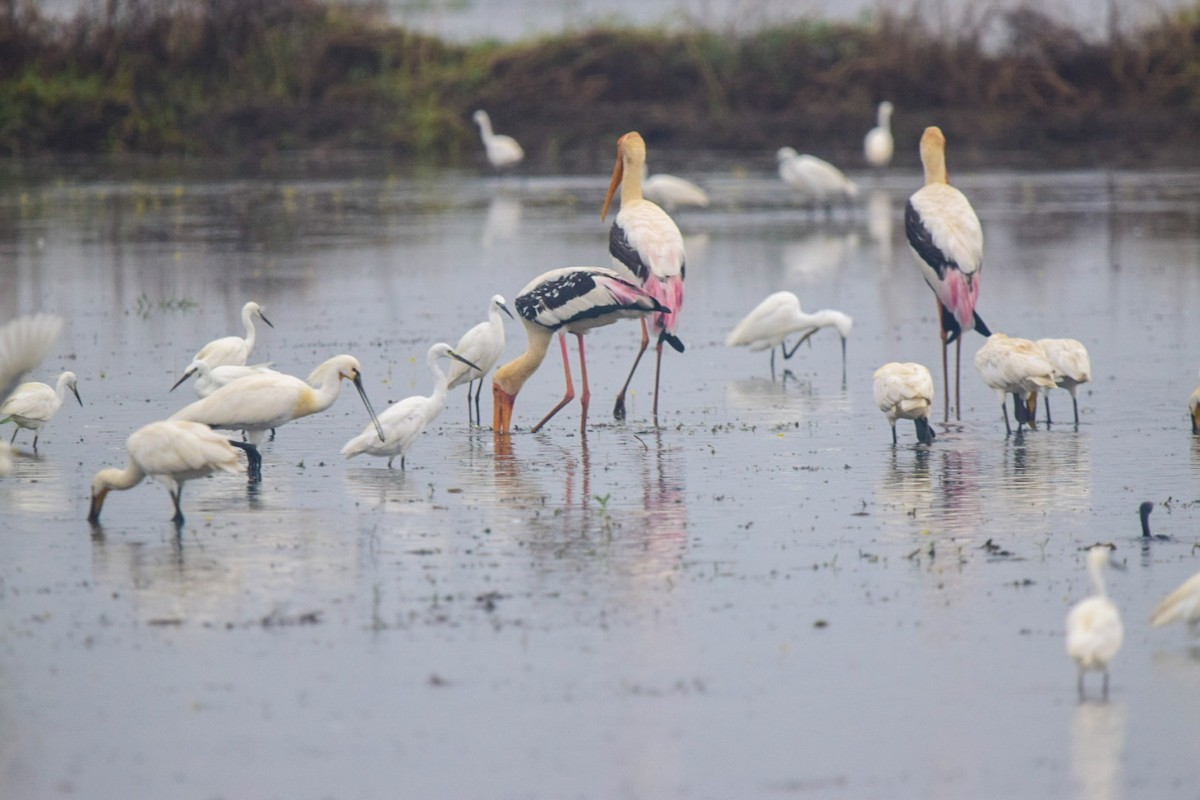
x=760 y=596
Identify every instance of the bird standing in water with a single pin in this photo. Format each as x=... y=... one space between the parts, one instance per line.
x=32 y=405
x=1094 y=630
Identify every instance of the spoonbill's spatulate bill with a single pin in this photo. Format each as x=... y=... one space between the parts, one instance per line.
x=1017 y=367
x=905 y=391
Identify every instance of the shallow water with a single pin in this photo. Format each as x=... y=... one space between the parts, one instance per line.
x=759 y=596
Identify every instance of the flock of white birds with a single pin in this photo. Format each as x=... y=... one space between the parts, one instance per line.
x=645 y=282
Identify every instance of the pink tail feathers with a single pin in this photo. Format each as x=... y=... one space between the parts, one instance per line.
x=669 y=292
x=959 y=295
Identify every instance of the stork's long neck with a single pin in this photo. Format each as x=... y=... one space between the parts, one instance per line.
x=934 y=161
x=631 y=181
x=512 y=376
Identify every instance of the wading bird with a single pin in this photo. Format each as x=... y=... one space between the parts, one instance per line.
x=32 y=405
x=175 y=451
x=1071 y=365
x=570 y=300
x=1094 y=631
x=778 y=316
x=647 y=250
x=818 y=182
x=905 y=391
x=406 y=420
x=1017 y=367
x=878 y=144
x=672 y=192
x=259 y=403
x=209 y=379
x=947 y=241
x=24 y=342
x=233 y=350
x=1181 y=605
x=1194 y=409
x=502 y=151
x=1144 y=512
x=482 y=345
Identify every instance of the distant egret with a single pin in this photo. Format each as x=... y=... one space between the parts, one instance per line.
x=175 y=451
x=778 y=316
x=570 y=300
x=502 y=151
x=1181 y=605
x=947 y=240
x=209 y=379
x=405 y=421
x=1094 y=630
x=482 y=345
x=1017 y=367
x=878 y=144
x=259 y=403
x=672 y=192
x=905 y=391
x=32 y=405
x=647 y=250
x=233 y=350
x=24 y=342
x=1071 y=365
x=817 y=181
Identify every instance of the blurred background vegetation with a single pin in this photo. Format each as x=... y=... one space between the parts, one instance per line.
x=247 y=78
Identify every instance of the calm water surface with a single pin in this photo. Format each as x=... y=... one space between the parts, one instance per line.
x=757 y=597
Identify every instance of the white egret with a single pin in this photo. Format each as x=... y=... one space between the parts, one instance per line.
x=24 y=342
x=231 y=350
x=1072 y=365
x=209 y=379
x=778 y=316
x=405 y=421
x=32 y=405
x=817 y=181
x=672 y=192
x=878 y=144
x=1017 y=367
x=502 y=151
x=905 y=391
x=482 y=345
x=1094 y=630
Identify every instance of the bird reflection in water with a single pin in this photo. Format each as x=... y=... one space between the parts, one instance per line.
x=503 y=219
x=1097 y=744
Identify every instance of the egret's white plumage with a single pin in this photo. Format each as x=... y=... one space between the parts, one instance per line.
x=404 y=421
x=778 y=316
x=174 y=451
x=233 y=349
x=256 y=404
x=569 y=300
x=482 y=346
x=947 y=241
x=1071 y=365
x=1181 y=605
x=1017 y=367
x=647 y=249
x=905 y=391
x=817 y=181
x=24 y=342
x=32 y=405
x=672 y=192
x=1094 y=630
x=502 y=151
x=878 y=144
x=209 y=379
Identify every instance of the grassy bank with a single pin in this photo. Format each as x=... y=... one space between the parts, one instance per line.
x=249 y=78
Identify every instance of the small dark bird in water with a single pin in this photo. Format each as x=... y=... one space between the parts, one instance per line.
x=1144 y=511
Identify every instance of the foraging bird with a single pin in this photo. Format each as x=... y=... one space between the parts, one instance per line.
x=32 y=405
x=406 y=420
x=258 y=403
x=647 y=250
x=1194 y=409
x=209 y=379
x=1144 y=512
x=878 y=144
x=947 y=240
x=1181 y=605
x=569 y=300
x=671 y=192
x=480 y=347
x=175 y=451
x=817 y=181
x=1072 y=365
x=233 y=350
x=1094 y=630
x=24 y=342
x=502 y=151
x=905 y=391
x=1017 y=367
x=778 y=316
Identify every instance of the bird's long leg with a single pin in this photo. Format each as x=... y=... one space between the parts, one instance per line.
x=894 y=440
x=16 y=430
x=35 y=438
x=958 y=380
x=1074 y=403
x=619 y=406
x=1048 y=421
x=470 y=421
x=1004 y=409
x=657 y=372
x=478 y=391
x=253 y=459
x=773 y=362
x=586 y=397
x=945 y=366
x=570 y=395
x=177 y=499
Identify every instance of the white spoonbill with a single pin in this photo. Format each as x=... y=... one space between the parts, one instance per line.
x=569 y=300
x=878 y=144
x=405 y=421
x=175 y=451
x=32 y=405
x=1181 y=605
x=817 y=181
x=233 y=349
x=905 y=391
x=947 y=241
x=482 y=345
x=1072 y=365
x=647 y=249
x=672 y=192
x=259 y=403
x=778 y=316
x=209 y=379
x=24 y=342
x=1017 y=367
x=502 y=151
x=1094 y=630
